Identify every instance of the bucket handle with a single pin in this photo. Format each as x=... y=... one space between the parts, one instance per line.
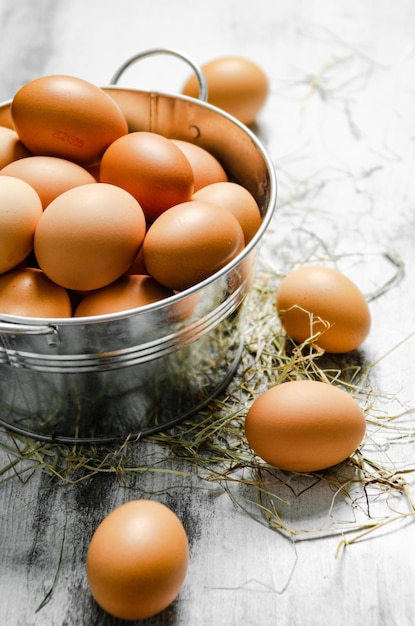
x=203 y=88
x=31 y=329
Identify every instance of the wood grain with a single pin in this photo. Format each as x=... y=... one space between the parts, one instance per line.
x=339 y=127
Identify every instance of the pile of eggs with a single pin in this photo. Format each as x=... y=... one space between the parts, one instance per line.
x=307 y=425
x=96 y=219
x=133 y=567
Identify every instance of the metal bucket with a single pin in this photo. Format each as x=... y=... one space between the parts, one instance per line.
x=103 y=378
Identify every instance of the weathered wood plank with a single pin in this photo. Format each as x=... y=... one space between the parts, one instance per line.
x=339 y=126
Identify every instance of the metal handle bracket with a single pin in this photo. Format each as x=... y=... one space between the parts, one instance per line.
x=203 y=88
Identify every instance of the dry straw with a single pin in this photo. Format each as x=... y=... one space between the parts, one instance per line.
x=365 y=493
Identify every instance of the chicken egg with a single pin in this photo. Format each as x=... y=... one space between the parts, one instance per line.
x=6 y=118
x=235 y=84
x=150 y=167
x=89 y=236
x=138 y=266
x=238 y=200
x=67 y=117
x=49 y=176
x=29 y=292
x=20 y=211
x=137 y=560
x=304 y=426
x=130 y=103
x=320 y=302
x=191 y=241
x=11 y=148
x=128 y=292
x=206 y=168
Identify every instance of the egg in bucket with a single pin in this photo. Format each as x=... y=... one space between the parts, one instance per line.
x=102 y=378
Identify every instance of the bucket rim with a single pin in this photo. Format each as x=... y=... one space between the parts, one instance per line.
x=10 y=323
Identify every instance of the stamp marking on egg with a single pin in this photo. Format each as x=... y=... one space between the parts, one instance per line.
x=62 y=135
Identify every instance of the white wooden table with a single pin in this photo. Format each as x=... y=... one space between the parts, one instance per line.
x=339 y=126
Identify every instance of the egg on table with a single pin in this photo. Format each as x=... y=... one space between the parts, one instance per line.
x=137 y=560
x=322 y=303
x=235 y=84
x=304 y=425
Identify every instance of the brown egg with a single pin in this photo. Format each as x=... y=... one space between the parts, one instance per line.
x=89 y=236
x=138 y=266
x=235 y=84
x=128 y=292
x=304 y=426
x=130 y=102
x=137 y=560
x=152 y=168
x=320 y=302
x=67 y=117
x=191 y=241
x=11 y=148
x=29 y=292
x=206 y=168
x=93 y=169
x=5 y=117
x=49 y=176
x=238 y=201
x=20 y=210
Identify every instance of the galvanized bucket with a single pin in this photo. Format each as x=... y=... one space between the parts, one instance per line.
x=104 y=378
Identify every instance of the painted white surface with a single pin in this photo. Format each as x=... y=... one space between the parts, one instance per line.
x=339 y=126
